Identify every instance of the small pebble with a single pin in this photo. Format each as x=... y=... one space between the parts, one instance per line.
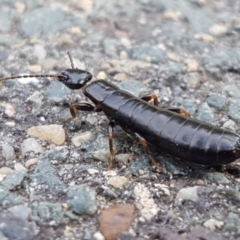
x=189 y=193
x=31 y=145
x=120 y=77
x=98 y=236
x=115 y=220
x=145 y=202
x=8 y=152
x=9 y=109
x=53 y=133
x=35 y=68
x=77 y=140
x=102 y=75
x=218 y=30
x=117 y=181
x=205 y=37
x=40 y=52
x=5 y=170
x=172 y=15
x=192 y=65
x=31 y=162
x=21 y=211
x=213 y=224
x=19 y=167
x=92 y=171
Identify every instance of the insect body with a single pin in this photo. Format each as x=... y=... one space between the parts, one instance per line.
x=170 y=130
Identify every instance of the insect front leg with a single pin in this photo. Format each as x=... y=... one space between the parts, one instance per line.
x=82 y=107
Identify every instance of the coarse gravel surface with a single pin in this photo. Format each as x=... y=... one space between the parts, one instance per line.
x=57 y=186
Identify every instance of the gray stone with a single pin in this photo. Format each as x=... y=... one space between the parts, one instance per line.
x=8 y=152
x=15 y=228
x=205 y=113
x=14 y=180
x=7 y=198
x=48 y=214
x=82 y=200
x=44 y=173
x=234 y=110
x=57 y=92
x=30 y=145
x=232 y=223
x=216 y=101
x=147 y=53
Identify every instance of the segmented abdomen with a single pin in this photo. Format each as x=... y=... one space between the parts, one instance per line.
x=175 y=134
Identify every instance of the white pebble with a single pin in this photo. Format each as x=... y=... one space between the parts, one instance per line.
x=31 y=145
x=19 y=167
x=92 y=171
x=98 y=236
x=117 y=181
x=31 y=162
x=5 y=170
x=81 y=138
x=189 y=193
x=53 y=133
x=8 y=152
x=213 y=224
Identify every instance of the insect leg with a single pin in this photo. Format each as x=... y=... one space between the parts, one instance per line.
x=111 y=125
x=143 y=142
x=151 y=97
x=82 y=107
x=180 y=111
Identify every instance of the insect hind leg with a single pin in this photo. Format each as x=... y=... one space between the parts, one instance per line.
x=144 y=144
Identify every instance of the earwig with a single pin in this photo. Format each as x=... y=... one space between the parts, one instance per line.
x=171 y=130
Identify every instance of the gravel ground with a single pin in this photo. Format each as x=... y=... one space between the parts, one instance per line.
x=55 y=186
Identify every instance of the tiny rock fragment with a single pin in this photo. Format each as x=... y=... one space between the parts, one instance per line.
x=19 y=167
x=213 y=224
x=189 y=193
x=78 y=139
x=92 y=171
x=218 y=30
x=102 y=75
x=117 y=181
x=172 y=15
x=205 y=37
x=173 y=56
x=35 y=68
x=31 y=162
x=115 y=220
x=98 y=236
x=5 y=170
x=9 y=109
x=31 y=145
x=120 y=77
x=8 y=152
x=145 y=202
x=192 y=65
x=74 y=30
x=53 y=133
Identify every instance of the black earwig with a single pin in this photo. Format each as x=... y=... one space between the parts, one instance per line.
x=170 y=129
